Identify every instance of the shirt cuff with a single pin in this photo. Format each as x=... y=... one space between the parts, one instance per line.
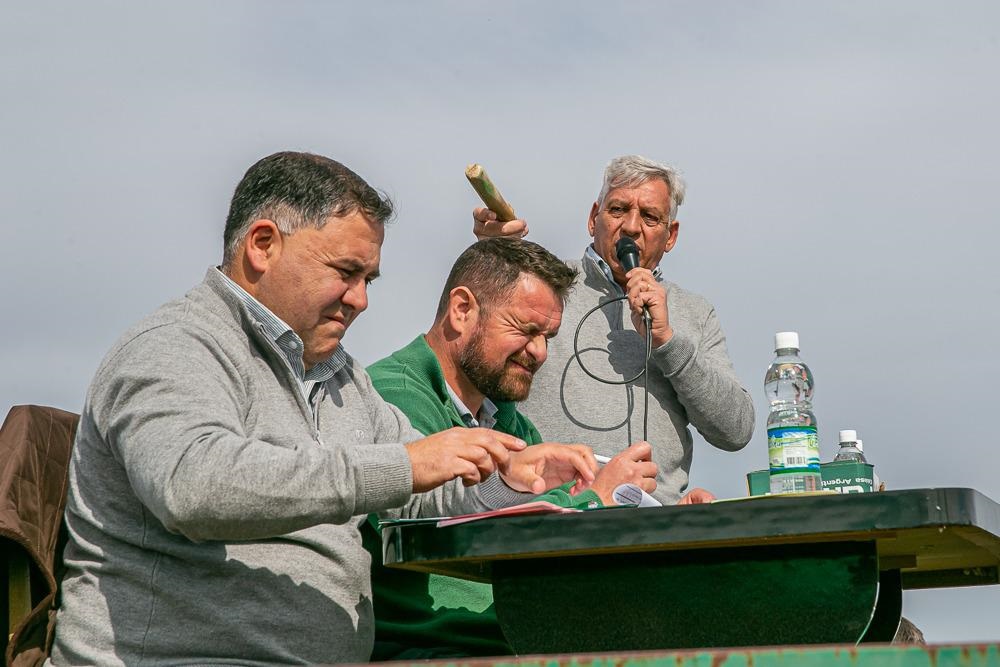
x=495 y=493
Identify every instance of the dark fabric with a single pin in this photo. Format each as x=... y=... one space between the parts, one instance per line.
x=35 y=445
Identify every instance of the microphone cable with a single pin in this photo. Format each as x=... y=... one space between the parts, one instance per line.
x=647 y=320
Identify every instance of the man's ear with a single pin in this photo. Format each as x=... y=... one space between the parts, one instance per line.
x=463 y=309
x=262 y=245
x=592 y=220
x=672 y=229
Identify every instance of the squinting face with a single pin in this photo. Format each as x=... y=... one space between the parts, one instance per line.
x=639 y=213
x=318 y=281
x=510 y=343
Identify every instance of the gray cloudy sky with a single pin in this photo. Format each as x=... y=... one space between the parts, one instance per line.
x=841 y=160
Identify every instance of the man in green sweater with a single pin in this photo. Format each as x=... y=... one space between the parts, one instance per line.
x=501 y=304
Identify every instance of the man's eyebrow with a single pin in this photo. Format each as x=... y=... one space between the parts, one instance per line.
x=349 y=263
x=352 y=265
x=534 y=329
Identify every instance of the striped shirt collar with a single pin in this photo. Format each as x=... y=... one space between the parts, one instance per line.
x=487 y=413
x=606 y=269
x=286 y=339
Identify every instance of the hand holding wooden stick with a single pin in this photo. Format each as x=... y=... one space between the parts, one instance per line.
x=488 y=193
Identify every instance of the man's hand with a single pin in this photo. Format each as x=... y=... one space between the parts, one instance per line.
x=645 y=290
x=548 y=465
x=632 y=466
x=696 y=496
x=486 y=226
x=470 y=453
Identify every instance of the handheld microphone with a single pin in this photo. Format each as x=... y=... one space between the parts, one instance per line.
x=627 y=252
x=628 y=256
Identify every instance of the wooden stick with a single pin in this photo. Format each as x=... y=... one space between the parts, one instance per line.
x=488 y=193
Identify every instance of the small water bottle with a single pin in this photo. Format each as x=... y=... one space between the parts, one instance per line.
x=850 y=448
x=876 y=482
x=792 y=439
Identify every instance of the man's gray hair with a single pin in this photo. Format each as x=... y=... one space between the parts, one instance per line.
x=630 y=171
x=298 y=190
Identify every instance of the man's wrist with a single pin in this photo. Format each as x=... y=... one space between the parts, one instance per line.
x=662 y=338
x=496 y=494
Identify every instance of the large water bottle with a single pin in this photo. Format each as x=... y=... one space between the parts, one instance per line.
x=850 y=448
x=792 y=440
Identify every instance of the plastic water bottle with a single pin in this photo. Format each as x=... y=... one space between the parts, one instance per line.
x=792 y=439
x=850 y=448
x=876 y=482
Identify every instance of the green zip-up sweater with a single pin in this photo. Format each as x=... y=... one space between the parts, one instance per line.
x=419 y=615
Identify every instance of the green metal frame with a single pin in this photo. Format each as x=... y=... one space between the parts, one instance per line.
x=826 y=656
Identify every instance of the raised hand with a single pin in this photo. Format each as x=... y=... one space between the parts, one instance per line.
x=486 y=226
x=644 y=290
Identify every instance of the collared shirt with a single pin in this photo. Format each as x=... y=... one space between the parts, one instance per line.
x=290 y=345
x=487 y=413
x=606 y=270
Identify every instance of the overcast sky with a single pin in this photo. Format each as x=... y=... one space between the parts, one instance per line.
x=841 y=159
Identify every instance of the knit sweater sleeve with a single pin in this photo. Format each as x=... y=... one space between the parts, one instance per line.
x=697 y=363
x=172 y=406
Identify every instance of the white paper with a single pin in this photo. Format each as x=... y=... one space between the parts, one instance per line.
x=630 y=494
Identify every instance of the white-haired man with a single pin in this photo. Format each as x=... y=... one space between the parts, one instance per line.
x=691 y=379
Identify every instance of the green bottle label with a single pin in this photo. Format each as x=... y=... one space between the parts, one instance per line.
x=793 y=450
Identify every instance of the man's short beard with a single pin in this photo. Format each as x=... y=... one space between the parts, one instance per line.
x=497 y=384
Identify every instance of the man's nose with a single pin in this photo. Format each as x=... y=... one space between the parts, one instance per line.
x=356 y=295
x=538 y=349
x=632 y=224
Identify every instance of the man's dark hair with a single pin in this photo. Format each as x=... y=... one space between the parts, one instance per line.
x=298 y=190
x=490 y=269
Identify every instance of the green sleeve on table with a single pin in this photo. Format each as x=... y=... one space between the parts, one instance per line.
x=561 y=496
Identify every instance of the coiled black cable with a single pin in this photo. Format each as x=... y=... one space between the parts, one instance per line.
x=645 y=365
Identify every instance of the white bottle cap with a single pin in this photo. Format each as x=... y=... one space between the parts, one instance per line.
x=784 y=339
x=848 y=436
x=860 y=446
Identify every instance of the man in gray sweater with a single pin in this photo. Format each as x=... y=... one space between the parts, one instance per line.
x=229 y=448
x=690 y=380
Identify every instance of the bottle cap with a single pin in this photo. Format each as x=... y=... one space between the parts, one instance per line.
x=848 y=436
x=784 y=339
